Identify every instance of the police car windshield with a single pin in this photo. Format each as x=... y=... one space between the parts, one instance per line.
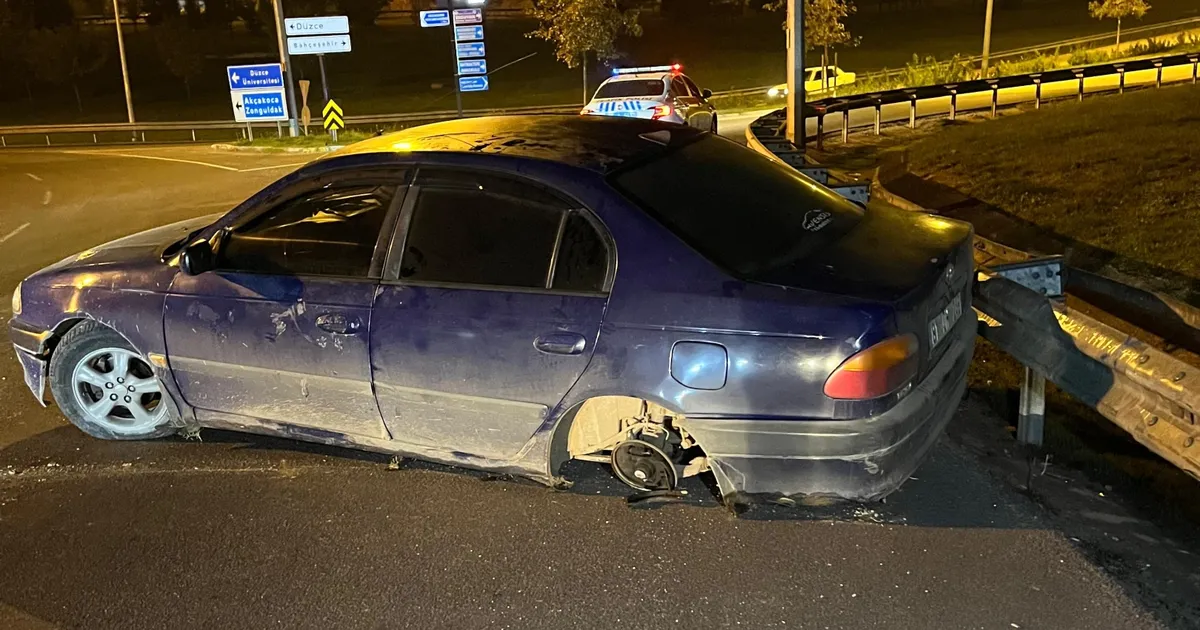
x=743 y=211
x=632 y=88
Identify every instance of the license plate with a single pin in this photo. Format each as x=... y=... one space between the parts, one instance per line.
x=942 y=323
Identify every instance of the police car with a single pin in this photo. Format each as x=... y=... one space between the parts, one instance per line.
x=656 y=93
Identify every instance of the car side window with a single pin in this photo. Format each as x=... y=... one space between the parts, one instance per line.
x=679 y=88
x=477 y=229
x=332 y=231
x=692 y=86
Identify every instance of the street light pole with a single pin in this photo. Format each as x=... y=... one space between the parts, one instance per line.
x=795 y=73
x=285 y=60
x=987 y=39
x=124 y=66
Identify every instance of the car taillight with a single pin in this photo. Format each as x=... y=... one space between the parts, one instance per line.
x=662 y=111
x=877 y=371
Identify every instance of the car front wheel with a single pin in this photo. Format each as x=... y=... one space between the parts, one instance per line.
x=106 y=388
x=714 y=125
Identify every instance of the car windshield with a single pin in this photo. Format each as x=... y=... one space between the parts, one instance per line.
x=745 y=212
x=634 y=88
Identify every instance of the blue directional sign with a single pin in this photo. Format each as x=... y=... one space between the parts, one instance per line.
x=256 y=77
x=267 y=105
x=435 y=18
x=472 y=66
x=473 y=84
x=468 y=33
x=469 y=50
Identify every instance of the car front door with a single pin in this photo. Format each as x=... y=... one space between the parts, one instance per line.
x=488 y=313
x=704 y=109
x=687 y=103
x=279 y=331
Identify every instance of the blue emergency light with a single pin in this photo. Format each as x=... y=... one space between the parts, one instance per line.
x=671 y=68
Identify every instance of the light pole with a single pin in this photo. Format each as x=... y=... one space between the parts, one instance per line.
x=285 y=61
x=987 y=39
x=124 y=66
x=795 y=73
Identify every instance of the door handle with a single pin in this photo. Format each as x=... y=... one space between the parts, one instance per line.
x=560 y=343
x=338 y=324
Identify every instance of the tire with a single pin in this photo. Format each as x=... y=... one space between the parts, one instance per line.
x=714 y=125
x=106 y=388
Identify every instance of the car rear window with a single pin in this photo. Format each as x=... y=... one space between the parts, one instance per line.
x=745 y=212
x=633 y=88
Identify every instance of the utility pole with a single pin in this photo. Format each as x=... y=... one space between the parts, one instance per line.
x=124 y=66
x=795 y=73
x=285 y=60
x=987 y=39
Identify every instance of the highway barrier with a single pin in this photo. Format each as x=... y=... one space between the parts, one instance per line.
x=1048 y=316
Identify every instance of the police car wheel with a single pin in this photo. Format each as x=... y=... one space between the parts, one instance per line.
x=714 y=125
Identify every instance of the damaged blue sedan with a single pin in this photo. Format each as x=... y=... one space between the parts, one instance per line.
x=508 y=294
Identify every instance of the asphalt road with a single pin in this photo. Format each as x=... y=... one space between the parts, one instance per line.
x=245 y=532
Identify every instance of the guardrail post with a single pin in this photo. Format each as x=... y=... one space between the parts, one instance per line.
x=821 y=129
x=193 y=135
x=1120 y=77
x=143 y=137
x=47 y=139
x=912 y=108
x=279 y=129
x=3 y=141
x=995 y=85
x=953 y=100
x=1079 y=75
x=1037 y=90
x=846 y=125
x=1031 y=416
x=878 y=111
x=1158 y=63
x=1195 y=63
x=95 y=140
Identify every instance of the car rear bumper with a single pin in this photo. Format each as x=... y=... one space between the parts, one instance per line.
x=861 y=459
x=30 y=345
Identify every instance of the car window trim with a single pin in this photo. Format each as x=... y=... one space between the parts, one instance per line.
x=397 y=184
x=395 y=251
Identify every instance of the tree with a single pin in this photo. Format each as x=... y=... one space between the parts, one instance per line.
x=181 y=49
x=823 y=27
x=65 y=54
x=44 y=13
x=579 y=27
x=1110 y=9
x=14 y=30
x=361 y=12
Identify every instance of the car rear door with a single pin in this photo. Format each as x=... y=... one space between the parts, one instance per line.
x=279 y=331
x=488 y=313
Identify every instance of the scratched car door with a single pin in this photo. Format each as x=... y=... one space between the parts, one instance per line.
x=278 y=332
x=488 y=313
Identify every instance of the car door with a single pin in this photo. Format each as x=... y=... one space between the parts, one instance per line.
x=279 y=331
x=705 y=110
x=488 y=313
x=687 y=103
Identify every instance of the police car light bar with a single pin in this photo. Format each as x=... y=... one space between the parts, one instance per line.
x=671 y=68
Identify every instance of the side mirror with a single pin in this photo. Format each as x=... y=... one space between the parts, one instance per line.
x=197 y=258
x=706 y=93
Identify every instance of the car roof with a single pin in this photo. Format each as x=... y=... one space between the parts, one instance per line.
x=597 y=143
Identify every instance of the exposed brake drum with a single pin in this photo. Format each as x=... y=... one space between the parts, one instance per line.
x=646 y=461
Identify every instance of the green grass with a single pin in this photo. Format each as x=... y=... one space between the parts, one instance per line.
x=1116 y=172
x=312 y=140
x=396 y=68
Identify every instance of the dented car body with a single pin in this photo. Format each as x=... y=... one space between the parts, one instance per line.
x=510 y=293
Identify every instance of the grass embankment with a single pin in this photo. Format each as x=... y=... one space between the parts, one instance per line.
x=313 y=140
x=1117 y=172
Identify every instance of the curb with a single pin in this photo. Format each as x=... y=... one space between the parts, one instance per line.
x=224 y=146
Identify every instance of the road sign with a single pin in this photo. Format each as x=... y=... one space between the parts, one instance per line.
x=435 y=18
x=468 y=16
x=264 y=106
x=472 y=66
x=327 y=25
x=333 y=116
x=473 y=84
x=468 y=33
x=318 y=44
x=256 y=77
x=469 y=50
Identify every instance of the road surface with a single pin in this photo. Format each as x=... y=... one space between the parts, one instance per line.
x=245 y=532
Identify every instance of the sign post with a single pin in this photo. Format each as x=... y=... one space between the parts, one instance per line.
x=286 y=65
x=796 y=129
x=466 y=34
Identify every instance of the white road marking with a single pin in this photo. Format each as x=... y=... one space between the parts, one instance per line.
x=156 y=157
x=46 y=198
x=33 y=177
x=13 y=233
x=267 y=168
